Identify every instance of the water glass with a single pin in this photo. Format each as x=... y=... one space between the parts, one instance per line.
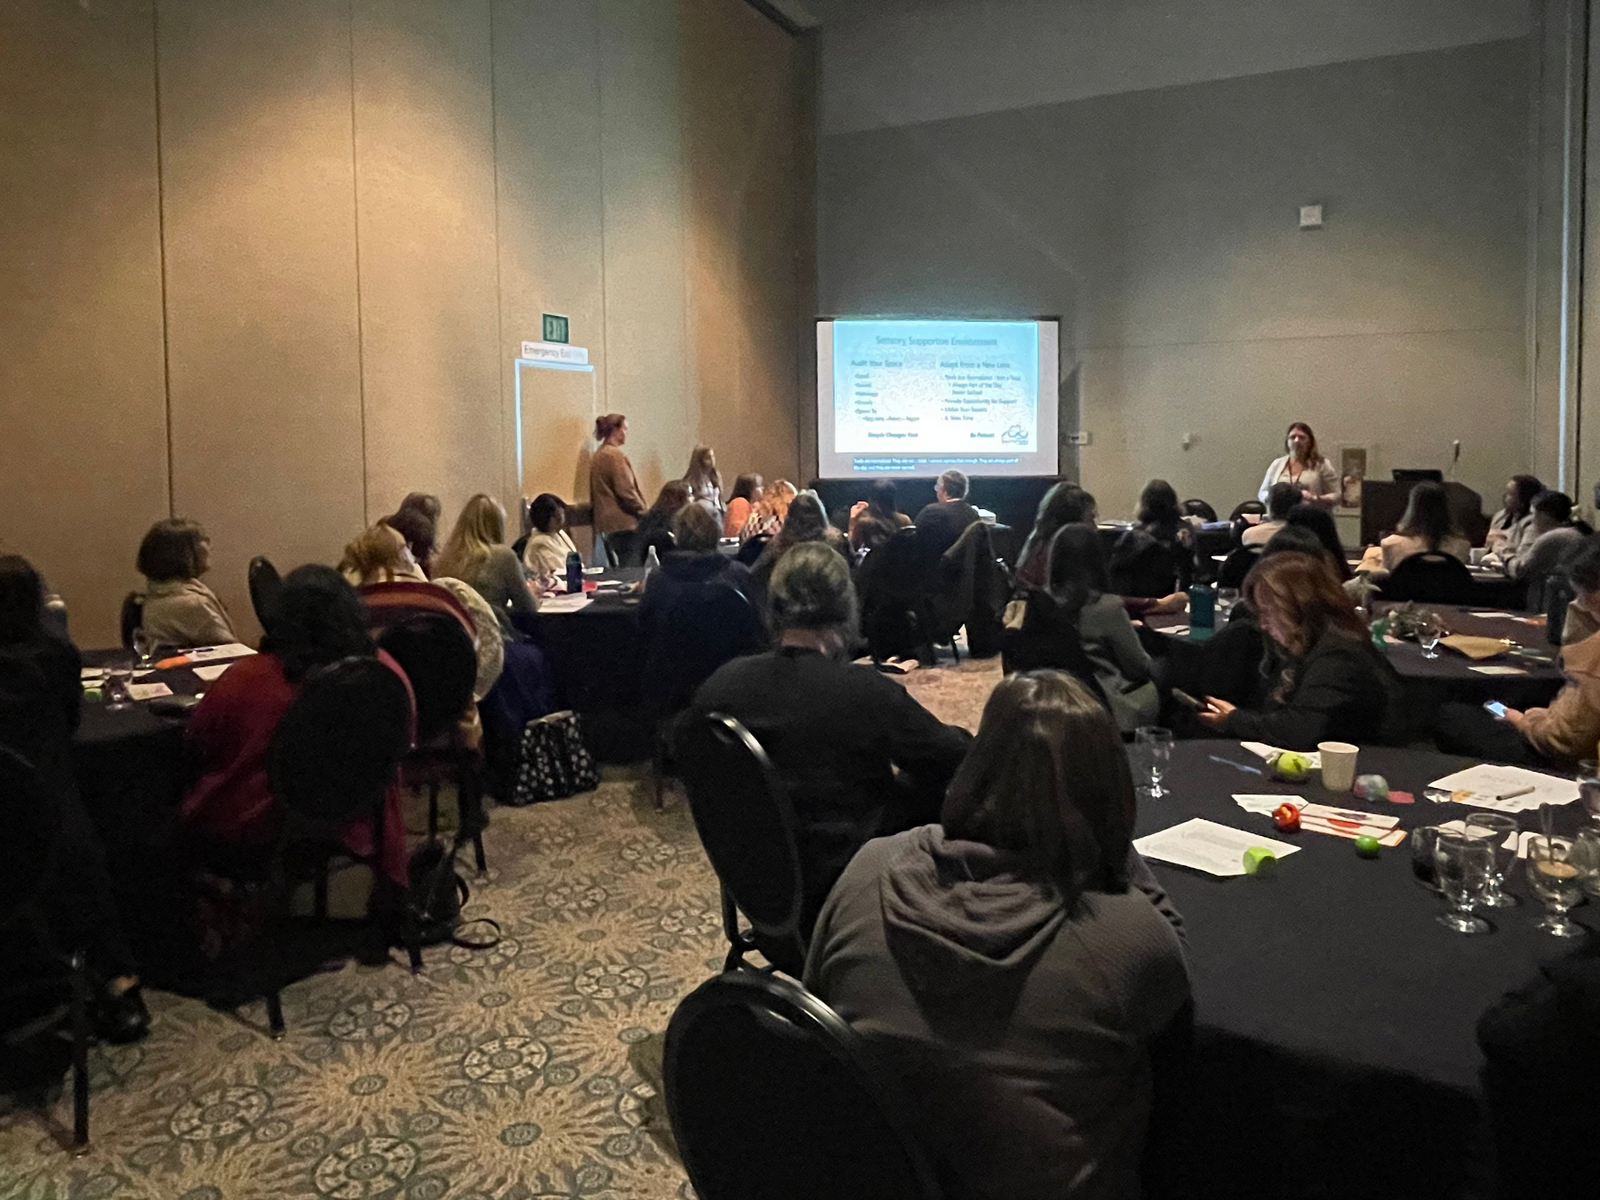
x=1463 y=865
x=1429 y=631
x=1497 y=829
x=1154 y=746
x=1423 y=840
x=1556 y=880
x=1586 y=857
x=143 y=651
x=116 y=688
x=1589 y=788
x=1226 y=599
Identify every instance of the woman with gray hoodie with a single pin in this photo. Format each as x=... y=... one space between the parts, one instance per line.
x=1016 y=962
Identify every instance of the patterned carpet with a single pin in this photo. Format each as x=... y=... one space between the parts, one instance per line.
x=496 y=1075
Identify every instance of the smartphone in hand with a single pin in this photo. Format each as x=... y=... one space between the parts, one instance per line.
x=1188 y=701
x=1498 y=709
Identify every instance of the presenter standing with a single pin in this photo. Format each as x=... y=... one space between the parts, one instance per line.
x=613 y=490
x=1303 y=467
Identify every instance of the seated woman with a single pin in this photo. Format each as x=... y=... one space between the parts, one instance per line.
x=806 y=522
x=1507 y=526
x=179 y=610
x=417 y=520
x=549 y=543
x=230 y=810
x=696 y=560
x=655 y=527
x=1079 y=602
x=768 y=515
x=1564 y=732
x=40 y=697
x=1331 y=684
x=747 y=492
x=1016 y=962
x=378 y=563
x=857 y=756
x=1156 y=556
x=880 y=505
x=1551 y=538
x=1064 y=504
x=1427 y=526
x=477 y=555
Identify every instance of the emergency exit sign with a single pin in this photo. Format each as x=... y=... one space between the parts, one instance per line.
x=555 y=328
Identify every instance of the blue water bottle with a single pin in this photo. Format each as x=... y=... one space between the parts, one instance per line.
x=574 y=573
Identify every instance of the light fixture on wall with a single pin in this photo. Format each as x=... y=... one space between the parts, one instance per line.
x=1311 y=216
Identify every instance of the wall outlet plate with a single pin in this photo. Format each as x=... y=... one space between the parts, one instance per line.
x=1311 y=216
x=1080 y=438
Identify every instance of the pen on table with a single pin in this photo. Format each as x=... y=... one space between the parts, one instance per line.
x=1526 y=791
x=1238 y=766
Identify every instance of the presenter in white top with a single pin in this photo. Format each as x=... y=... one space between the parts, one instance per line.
x=1304 y=467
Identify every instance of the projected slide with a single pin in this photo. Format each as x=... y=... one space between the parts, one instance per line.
x=918 y=397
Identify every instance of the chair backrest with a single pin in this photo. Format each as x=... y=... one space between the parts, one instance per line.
x=893 y=585
x=441 y=662
x=1247 y=506
x=1198 y=508
x=30 y=817
x=748 y=829
x=1141 y=565
x=1047 y=637
x=265 y=584
x=954 y=584
x=1435 y=578
x=751 y=550
x=1237 y=565
x=338 y=746
x=773 y=1096
x=704 y=626
x=131 y=618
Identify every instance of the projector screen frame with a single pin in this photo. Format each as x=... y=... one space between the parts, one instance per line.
x=1050 y=394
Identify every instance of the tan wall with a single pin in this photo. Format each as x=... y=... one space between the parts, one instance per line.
x=363 y=209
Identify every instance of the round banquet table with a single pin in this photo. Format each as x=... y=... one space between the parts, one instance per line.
x=1335 y=1050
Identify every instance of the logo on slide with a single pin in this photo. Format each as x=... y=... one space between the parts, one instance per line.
x=1015 y=436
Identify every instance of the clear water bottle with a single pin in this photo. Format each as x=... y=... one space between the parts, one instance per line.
x=652 y=560
x=574 y=573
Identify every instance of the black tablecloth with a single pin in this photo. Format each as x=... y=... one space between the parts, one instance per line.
x=1335 y=1047
x=596 y=655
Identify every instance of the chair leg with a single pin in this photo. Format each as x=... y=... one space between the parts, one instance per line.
x=477 y=854
x=80 y=1054
x=413 y=934
x=658 y=769
x=275 y=1015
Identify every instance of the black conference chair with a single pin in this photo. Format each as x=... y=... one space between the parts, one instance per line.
x=1142 y=565
x=749 y=832
x=442 y=664
x=1247 y=506
x=773 y=1096
x=1237 y=565
x=44 y=987
x=265 y=584
x=131 y=617
x=751 y=550
x=1432 y=578
x=1047 y=638
x=1198 y=508
x=704 y=626
x=958 y=596
x=333 y=757
x=893 y=585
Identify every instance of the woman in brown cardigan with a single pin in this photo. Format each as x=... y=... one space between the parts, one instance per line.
x=613 y=490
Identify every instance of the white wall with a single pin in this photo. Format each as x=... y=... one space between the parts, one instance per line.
x=896 y=62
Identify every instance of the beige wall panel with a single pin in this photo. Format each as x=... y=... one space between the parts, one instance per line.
x=742 y=108
x=424 y=126
x=83 y=451
x=547 y=120
x=1404 y=396
x=261 y=280
x=645 y=236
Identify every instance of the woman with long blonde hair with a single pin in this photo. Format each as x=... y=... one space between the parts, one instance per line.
x=768 y=515
x=477 y=554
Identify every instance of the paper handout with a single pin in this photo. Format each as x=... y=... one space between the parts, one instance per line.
x=1206 y=846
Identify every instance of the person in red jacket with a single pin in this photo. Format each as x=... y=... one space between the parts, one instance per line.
x=317 y=620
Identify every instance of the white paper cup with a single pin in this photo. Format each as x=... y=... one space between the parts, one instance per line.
x=1475 y=556
x=1338 y=765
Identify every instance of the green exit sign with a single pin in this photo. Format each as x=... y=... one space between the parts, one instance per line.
x=555 y=328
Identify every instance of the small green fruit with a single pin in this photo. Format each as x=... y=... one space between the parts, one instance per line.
x=1367 y=846
x=1292 y=767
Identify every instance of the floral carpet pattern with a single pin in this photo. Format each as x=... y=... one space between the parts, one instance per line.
x=496 y=1074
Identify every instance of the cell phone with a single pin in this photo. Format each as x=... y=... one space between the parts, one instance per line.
x=1188 y=701
x=1496 y=708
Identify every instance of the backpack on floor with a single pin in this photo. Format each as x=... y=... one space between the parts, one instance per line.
x=554 y=762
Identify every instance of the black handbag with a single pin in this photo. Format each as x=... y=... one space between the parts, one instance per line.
x=553 y=761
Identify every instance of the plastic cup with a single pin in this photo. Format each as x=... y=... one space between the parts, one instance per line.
x=1338 y=765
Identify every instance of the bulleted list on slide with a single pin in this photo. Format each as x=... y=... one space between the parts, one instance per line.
x=943 y=388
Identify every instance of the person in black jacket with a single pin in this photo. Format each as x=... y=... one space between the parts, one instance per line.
x=836 y=732
x=939 y=524
x=40 y=695
x=1331 y=684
